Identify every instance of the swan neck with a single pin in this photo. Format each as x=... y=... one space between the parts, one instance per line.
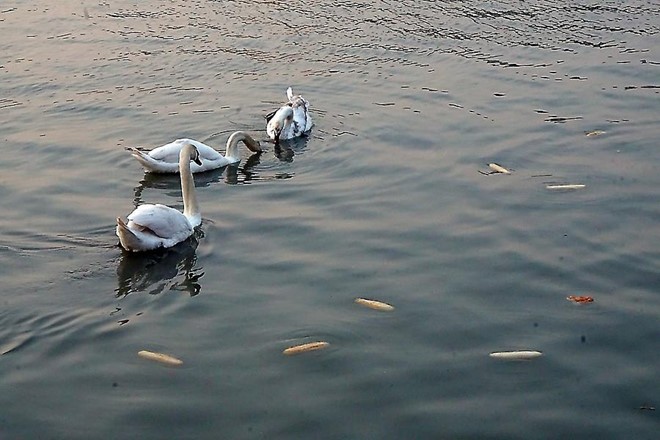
x=190 y=205
x=232 y=144
x=235 y=138
x=282 y=115
x=283 y=112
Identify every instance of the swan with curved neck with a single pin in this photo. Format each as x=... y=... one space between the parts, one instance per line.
x=165 y=159
x=291 y=120
x=157 y=226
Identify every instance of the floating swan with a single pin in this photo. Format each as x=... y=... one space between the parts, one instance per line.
x=165 y=159
x=151 y=227
x=291 y=120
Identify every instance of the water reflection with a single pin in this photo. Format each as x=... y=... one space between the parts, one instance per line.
x=244 y=174
x=233 y=175
x=287 y=149
x=167 y=269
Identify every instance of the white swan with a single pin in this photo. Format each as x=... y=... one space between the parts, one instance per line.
x=165 y=159
x=291 y=120
x=158 y=226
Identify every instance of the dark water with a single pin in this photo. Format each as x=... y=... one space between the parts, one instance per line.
x=411 y=99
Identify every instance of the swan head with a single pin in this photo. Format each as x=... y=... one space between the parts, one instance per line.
x=232 y=153
x=190 y=151
x=238 y=136
x=280 y=120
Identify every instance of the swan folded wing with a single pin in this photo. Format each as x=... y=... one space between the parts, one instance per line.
x=302 y=122
x=161 y=220
x=170 y=152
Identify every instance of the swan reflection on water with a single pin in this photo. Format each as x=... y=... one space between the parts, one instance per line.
x=286 y=149
x=233 y=175
x=161 y=270
x=244 y=174
x=173 y=268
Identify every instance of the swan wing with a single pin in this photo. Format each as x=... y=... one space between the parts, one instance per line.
x=136 y=240
x=165 y=159
x=170 y=152
x=302 y=121
x=161 y=220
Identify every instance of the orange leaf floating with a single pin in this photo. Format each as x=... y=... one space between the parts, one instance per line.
x=580 y=299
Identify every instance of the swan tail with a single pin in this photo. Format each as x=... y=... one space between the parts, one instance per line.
x=289 y=93
x=127 y=238
x=149 y=164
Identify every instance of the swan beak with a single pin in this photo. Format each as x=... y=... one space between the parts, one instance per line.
x=198 y=161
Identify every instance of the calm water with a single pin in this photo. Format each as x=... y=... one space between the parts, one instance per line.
x=411 y=99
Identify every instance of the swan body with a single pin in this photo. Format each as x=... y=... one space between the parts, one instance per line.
x=165 y=159
x=291 y=120
x=157 y=226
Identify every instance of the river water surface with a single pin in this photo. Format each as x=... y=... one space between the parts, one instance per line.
x=388 y=198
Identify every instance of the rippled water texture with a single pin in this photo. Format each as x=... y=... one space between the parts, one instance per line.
x=389 y=198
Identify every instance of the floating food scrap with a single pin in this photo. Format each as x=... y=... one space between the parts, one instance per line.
x=594 y=133
x=498 y=168
x=518 y=355
x=580 y=299
x=373 y=304
x=303 y=348
x=495 y=169
x=160 y=357
x=567 y=186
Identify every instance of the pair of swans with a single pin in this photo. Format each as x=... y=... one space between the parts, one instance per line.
x=291 y=120
x=150 y=226
x=157 y=226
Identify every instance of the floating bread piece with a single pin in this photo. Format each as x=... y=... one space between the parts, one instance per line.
x=567 y=186
x=373 y=304
x=580 y=299
x=303 y=348
x=516 y=355
x=160 y=357
x=594 y=133
x=498 y=168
